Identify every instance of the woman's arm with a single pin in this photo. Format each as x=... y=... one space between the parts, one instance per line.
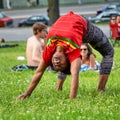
x=92 y=61
x=35 y=80
x=75 y=66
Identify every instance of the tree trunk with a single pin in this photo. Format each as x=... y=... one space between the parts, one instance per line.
x=1 y=4
x=37 y=2
x=53 y=10
x=106 y=0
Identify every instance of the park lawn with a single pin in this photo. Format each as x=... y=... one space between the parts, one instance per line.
x=48 y=104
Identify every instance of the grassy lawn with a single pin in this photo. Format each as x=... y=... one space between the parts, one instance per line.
x=48 y=104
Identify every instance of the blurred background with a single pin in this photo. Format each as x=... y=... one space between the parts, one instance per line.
x=17 y=16
x=35 y=3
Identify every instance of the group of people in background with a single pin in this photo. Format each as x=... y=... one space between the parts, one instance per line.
x=115 y=28
x=36 y=44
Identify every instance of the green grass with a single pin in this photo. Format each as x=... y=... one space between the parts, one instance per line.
x=48 y=104
x=102 y=23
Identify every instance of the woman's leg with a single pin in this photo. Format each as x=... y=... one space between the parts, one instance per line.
x=98 y=40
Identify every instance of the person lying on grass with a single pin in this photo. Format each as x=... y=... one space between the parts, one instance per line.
x=4 y=45
x=63 y=52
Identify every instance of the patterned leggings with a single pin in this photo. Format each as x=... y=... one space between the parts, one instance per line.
x=98 y=40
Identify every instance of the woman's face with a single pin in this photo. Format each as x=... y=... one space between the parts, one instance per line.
x=59 y=61
x=84 y=50
x=118 y=19
x=113 y=20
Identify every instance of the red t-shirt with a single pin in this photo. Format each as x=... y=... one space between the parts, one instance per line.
x=67 y=31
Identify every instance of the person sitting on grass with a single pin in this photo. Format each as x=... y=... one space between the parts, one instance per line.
x=35 y=45
x=88 y=61
x=63 y=52
x=34 y=48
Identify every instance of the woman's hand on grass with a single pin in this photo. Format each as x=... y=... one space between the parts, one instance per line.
x=23 y=96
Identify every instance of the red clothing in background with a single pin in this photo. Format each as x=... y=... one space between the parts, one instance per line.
x=114 y=30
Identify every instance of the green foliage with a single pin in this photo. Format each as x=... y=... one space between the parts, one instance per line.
x=48 y=104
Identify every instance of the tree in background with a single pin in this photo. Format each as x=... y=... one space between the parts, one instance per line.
x=1 y=4
x=53 y=10
x=37 y=2
x=106 y=0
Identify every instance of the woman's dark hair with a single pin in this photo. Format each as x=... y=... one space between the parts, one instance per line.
x=89 y=50
x=67 y=70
